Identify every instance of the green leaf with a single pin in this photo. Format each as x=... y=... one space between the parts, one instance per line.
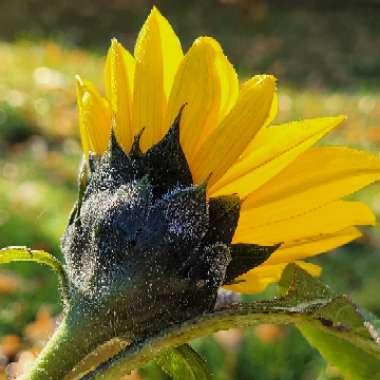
x=183 y=363
x=353 y=362
x=357 y=359
x=12 y=254
x=296 y=285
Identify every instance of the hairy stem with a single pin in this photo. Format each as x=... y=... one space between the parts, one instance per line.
x=78 y=335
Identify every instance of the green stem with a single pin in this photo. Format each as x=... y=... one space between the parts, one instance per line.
x=240 y=315
x=76 y=337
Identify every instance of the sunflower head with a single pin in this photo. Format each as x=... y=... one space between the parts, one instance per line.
x=144 y=236
x=186 y=187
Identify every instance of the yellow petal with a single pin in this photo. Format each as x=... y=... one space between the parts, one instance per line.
x=273 y=110
x=313 y=245
x=272 y=150
x=264 y=226
x=94 y=118
x=118 y=76
x=207 y=83
x=158 y=53
x=318 y=176
x=257 y=279
x=227 y=142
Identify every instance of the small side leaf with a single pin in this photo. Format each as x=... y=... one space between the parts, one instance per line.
x=183 y=363
x=13 y=254
x=296 y=285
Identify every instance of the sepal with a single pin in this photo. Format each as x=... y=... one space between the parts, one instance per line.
x=245 y=257
x=224 y=216
x=166 y=163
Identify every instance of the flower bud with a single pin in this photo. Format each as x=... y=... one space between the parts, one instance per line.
x=143 y=242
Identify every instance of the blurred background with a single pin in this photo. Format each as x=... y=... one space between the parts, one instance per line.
x=327 y=59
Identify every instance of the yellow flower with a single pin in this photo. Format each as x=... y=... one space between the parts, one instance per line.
x=291 y=192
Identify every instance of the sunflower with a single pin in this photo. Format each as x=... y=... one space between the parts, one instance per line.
x=289 y=192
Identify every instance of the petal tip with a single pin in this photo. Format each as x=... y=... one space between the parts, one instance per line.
x=341 y=118
x=208 y=42
x=155 y=11
x=269 y=78
x=336 y=118
x=78 y=79
x=156 y=16
x=79 y=83
x=115 y=44
x=268 y=81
